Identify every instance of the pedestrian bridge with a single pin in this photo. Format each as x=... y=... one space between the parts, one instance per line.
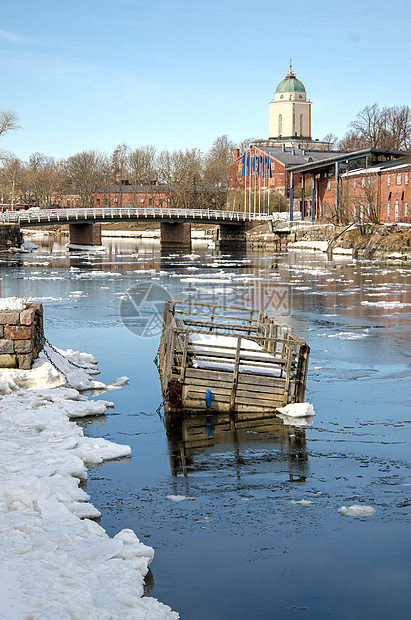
x=44 y=217
x=175 y=224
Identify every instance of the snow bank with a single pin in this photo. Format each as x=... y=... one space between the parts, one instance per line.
x=12 y=303
x=55 y=561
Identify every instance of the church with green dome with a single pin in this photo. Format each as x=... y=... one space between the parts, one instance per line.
x=290 y=111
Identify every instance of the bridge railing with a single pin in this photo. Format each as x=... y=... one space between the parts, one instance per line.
x=64 y=216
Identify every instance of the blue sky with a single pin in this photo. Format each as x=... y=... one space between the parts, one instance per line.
x=91 y=74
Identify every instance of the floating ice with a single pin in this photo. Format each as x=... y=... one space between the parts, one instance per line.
x=55 y=562
x=302 y=502
x=297 y=410
x=356 y=510
x=179 y=498
x=384 y=304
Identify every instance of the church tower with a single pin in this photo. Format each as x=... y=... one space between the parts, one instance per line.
x=290 y=112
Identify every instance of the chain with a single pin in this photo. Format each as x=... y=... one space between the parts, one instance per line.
x=66 y=358
x=40 y=339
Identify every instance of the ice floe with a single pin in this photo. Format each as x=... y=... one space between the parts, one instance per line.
x=55 y=561
x=297 y=410
x=356 y=510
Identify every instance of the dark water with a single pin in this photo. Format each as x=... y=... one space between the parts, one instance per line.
x=241 y=547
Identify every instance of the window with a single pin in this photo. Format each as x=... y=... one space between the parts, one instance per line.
x=68 y=202
x=355 y=183
x=406 y=209
x=406 y=178
x=363 y=182
x=329 y=185
x=388 y=179
x=397 y=210
x=301 y=124
x=399 y=178
x=98 y=202
x=388 y=209
x=280 y=124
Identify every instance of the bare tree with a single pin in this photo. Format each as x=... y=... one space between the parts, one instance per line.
x=9 y=121
x=379 y=128
x=39 y=180
x=144 y=174
x=11 y=179
x=180 y=174
x=84 y=174
x=331 y=139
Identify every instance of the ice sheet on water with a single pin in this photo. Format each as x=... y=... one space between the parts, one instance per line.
x=179 y=498
x=55 y=562
x=356 y=510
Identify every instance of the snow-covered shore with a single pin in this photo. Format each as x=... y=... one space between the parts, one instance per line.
x=55 y=562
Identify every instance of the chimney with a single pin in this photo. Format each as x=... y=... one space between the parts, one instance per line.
x=236 y=154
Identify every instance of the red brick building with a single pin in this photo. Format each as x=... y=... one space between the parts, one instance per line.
x=372 y=185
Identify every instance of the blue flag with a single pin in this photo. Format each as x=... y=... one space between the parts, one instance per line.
x=270 y=174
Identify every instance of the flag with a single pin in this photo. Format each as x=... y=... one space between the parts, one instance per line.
x=270 y=174
x=264 y=165
x=246 y=164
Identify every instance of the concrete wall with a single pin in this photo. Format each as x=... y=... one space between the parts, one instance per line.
x=85 y=234
x=175 y=235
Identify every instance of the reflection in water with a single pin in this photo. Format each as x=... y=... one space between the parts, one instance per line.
x=192 y=439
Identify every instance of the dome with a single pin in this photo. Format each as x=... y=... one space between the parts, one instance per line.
x=290 y=84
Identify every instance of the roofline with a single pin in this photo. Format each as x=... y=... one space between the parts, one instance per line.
x=346 y=156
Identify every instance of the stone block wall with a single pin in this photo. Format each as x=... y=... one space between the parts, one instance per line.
x=10 y=236
x=18 y=344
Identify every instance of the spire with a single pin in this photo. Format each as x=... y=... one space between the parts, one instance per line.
x=290 y=71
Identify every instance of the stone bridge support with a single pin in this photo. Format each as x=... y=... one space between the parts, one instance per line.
x=85 y=234
x=175 y=236
x=231 y=236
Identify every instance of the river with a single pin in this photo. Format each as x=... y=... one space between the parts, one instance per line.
x=243 y=543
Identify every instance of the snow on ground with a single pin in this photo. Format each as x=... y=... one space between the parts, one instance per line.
x=56 y=562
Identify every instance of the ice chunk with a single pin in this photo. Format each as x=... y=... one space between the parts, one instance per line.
x=356 y=510
x=297 y=410
x=179 y=498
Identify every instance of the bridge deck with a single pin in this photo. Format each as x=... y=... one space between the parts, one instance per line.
x=48 y=217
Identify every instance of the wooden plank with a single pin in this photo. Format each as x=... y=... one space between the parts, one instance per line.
x=212 y=384
x=202 y=373
x=266 y=380
x=235 y=374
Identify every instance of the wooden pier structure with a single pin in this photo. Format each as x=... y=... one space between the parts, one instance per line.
x=218 y=359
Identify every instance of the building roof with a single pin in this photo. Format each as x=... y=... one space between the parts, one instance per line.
x=351 y=160
x=290 y=84
x=295 y=156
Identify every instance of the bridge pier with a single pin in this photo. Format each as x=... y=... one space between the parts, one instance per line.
x=231 y=236
x=85 y=234
x=175 y=236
